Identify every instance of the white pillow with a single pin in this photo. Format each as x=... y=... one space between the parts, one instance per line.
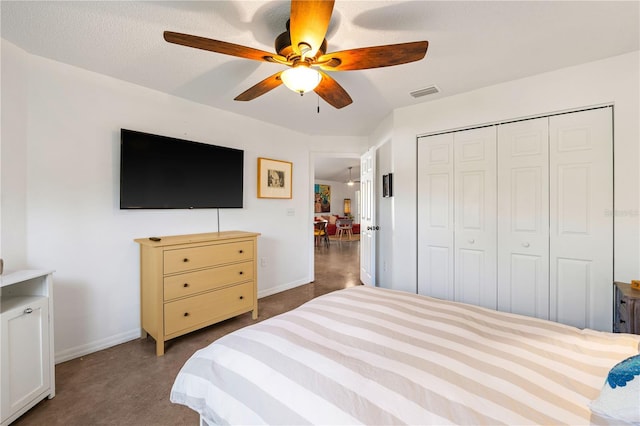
x=620 y=395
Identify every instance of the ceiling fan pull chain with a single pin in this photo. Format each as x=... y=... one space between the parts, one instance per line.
x=318 y=96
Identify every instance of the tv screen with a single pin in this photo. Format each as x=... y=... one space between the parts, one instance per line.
x=159 y=172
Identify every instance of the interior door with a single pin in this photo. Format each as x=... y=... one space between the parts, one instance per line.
x=367 y=218
x=523 y=217
x=581 y=218
x=435 y=216
x=475 y=216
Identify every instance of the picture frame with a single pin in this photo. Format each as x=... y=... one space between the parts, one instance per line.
x=274 y=178
x=322 y=197
x=387 y=185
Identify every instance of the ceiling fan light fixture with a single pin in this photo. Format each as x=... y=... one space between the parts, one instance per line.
x=301 y=78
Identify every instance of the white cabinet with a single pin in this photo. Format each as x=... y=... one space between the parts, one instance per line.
x=536 y=240
x=26 y=342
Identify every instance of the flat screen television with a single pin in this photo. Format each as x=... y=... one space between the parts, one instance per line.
x=160 y=172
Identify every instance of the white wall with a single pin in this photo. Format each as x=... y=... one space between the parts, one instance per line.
x=615 y=80
x=13 y=154
x=67 y=164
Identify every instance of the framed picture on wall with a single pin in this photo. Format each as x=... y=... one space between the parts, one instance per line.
x=274 y=178
x=322 y=202
x=387 y=185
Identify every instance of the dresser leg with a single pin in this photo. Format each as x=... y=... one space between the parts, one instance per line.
x=159 y=347
x=254 y=313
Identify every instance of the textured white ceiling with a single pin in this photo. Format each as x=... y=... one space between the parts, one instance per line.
x=472 y=44
x=337 y=169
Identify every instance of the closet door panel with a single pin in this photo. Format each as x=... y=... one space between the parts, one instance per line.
x=581 y=256
x=435 y=216
x=475 y=216
x=523 y=217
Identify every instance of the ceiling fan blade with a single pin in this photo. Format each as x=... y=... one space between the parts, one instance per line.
x=373 y=57
x=261 y=88
x=222 y=47
x=309 y=22
x=332 y=92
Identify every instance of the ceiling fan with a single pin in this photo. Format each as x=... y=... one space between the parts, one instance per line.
x=303 y=48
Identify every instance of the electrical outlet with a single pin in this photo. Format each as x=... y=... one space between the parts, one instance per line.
x=263 y=261
x=291 y=211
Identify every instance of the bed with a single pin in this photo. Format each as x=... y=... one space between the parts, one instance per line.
x=372 y=356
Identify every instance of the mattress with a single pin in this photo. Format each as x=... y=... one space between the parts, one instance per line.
x=372 y=356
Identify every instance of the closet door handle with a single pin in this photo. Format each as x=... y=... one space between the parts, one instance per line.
x=471 y=241
x=28 y=311
x=525 y=244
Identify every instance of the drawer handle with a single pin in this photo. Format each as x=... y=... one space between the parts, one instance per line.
x=622 y=302
x=185 y=285
x=28 y=311
x=185 y=260
x=241 y=297
x=623 y=322
x=186 y=314
x=241 y=272
x=240 y=251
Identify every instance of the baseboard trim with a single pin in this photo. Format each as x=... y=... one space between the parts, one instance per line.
x=98 y=345
x=280 y=288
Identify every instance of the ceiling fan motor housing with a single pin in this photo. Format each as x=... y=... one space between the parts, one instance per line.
x=283 y=47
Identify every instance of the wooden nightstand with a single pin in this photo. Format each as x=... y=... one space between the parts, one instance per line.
x=626 y=314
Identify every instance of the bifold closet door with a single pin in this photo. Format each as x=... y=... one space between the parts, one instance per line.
x=435 y=216
x=581 y=223
x=523 y=217
x=475 y=234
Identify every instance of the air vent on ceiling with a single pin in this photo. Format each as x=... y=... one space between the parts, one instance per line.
x=430 y=90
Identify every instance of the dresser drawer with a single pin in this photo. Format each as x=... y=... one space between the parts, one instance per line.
x=176 y=286
x=206 y=308
x=186 y=259
x=623 y=317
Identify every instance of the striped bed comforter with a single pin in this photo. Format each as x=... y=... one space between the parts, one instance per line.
x=372 y=356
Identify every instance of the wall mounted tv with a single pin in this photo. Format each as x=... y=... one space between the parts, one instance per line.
x=159 y=172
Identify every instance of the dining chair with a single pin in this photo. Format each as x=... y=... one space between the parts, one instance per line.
x=344 y=227
x=320 y=233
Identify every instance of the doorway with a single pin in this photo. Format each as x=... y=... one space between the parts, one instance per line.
x=340 y=259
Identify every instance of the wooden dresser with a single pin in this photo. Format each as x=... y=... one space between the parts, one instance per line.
x=626 y=309
x=191 y=281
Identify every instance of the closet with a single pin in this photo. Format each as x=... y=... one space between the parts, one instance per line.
x=517 y=217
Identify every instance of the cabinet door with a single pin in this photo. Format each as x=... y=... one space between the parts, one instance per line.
x=581 y=218
x=475 y=216
x=523 y=218
x=435 y=216
x=25 y=355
